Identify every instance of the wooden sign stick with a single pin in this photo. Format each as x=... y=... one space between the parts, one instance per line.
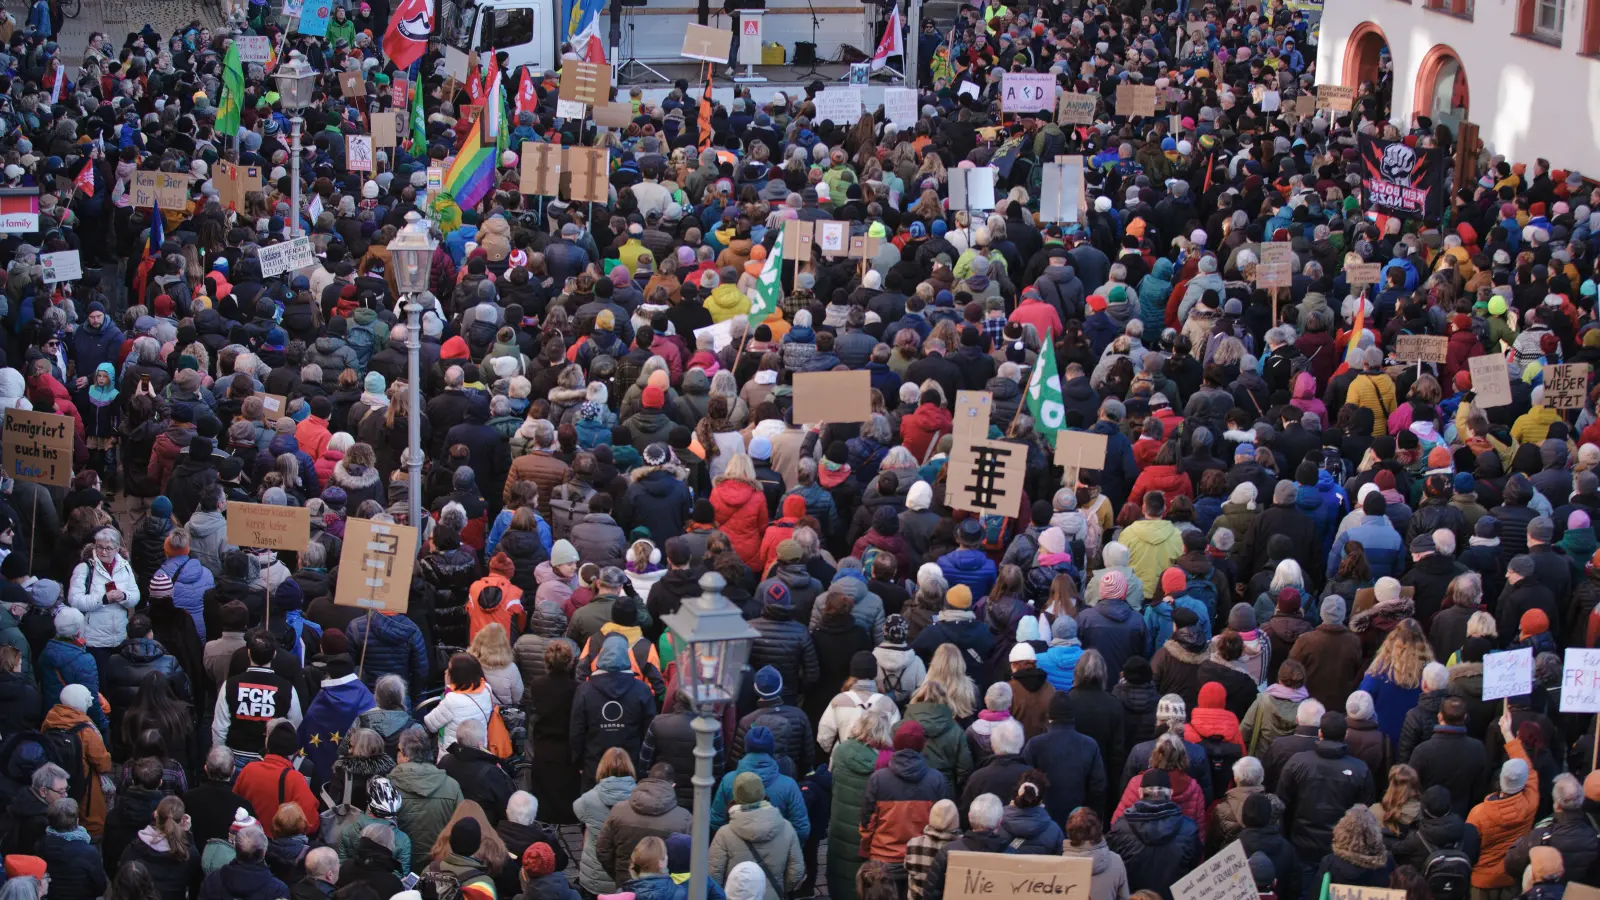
x=365 y=643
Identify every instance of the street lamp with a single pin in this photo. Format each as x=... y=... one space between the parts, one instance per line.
x=296 y=82
x=411 y=254
x=713 y=642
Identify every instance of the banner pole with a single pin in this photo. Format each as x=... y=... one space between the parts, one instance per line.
x=365 y=643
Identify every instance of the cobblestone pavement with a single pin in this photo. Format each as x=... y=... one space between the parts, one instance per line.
x=118 y=17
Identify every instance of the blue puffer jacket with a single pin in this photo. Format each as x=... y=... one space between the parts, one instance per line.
x=1377 y=535
x=1040 y=835
x=397 y=649
x=1322 y=505
x=972 y=568
x=1059 y=662
x=1158 y=621
x=64 y=662
x=665 y=887
x=190 y=582
x=782 y=792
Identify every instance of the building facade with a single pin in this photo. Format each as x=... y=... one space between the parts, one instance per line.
x=1526 y=72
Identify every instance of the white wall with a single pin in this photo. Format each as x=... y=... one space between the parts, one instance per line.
x=1528 y=99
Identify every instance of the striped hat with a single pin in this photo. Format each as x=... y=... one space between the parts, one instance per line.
x=161 y=585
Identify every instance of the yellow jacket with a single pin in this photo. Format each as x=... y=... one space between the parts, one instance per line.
x=726 y=302
x=1375 y=392
x=1532 y=426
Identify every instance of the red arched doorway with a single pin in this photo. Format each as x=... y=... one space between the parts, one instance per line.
x=1441 y=91
x=1362 y=55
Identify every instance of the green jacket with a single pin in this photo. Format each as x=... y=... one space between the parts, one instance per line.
x=338 y=31
x=947 y=749
x=351 y=836
x=852 y=764
x=428 y=798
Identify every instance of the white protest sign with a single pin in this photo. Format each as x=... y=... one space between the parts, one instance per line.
x=62 y=266
x=721 y=334
x=1508 y=674
x=253 y=49
x=1225 y=876
x=1027 y=92
x=841 y=106
x=569 y=109
x=900 y=106
x=280 y=258
x=1580 y=681
x=358 y=152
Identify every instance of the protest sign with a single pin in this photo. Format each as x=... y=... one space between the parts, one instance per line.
x=1566 y=386
x=1225 y=876
x=294 y=253
x=399 y=91
x=841 y=106
x=1491 y=381
x=972 y=414
x=832 y=397
x=1136 y=100
x=1061 y=197
x=900 y=106
x=1508 y=674
x=612 y=115
x=1335 y=97
x=63 y=265
x=1430 y=348
x=234 y=182
x=385 y=130
x=1363 y=273
x=38 y=447
x=986 y=476
x=1274 y=275
x=1580 y=680
x=455 y=63
x=833 y=237
x=358 y=152
x=273 y=406
x=539 y=169
x=590 y=167
x=706 y=44
x=1305 y=106
x=254 y=49
x=1077 y=109
x=171 y=190
x=721 y=335
x=352 y=84
x=863 y=246
x=1080 y=450
x=990 y=876
x=269 y=526
x=1022 y=92
x=1277 y=253
x=1357 y=892
x=585 y=82
x=798 y=238
x=375 y=566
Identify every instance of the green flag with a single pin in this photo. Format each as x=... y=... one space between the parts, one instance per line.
x=419 y=123
x=1044 y=394
x=230 y=105
x=769 y=286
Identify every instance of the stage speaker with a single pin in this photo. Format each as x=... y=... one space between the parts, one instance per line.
x=805 y=54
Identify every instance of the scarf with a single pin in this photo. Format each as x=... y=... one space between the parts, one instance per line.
x=1476 y=541
x=956 y=615
x=80 y=834
x=1293 y=695
x=378 y=401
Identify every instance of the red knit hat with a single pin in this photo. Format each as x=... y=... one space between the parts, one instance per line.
x=1174 y=581
x=538 y=860
x=654 y=397
x=910 y=736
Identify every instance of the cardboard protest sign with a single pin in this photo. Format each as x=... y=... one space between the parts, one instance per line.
x=1354 y=892
x=351 y=84
x=585 y=82
x=234 y=182
x=832 y=397
x=1305 y=106
x=375 y=566
x=1335 y=97
x=1022 y=92
x=986 y=476
x=63 y=265
x=863 y=246
x=1080 y=450
x=273 y=406
x=1277 y=253
x=1566 y=386
x=358 y=152
x=1424 y=347
x=38 y=447
x=1508 y=674
x=170 y=189
x=798 y=239
x=1077 y=109
x=294 y=253
x=612 y=115
x=1135 y=100
x=841 y=106
x=254 y=49
x=900 y=106
x=1274 y=275
x=706 y=44
x=1491 y=381
x=990 y=876
x=1225 y=876
x=1580 y=681
x=385 y=130
x=1363 y=273
x=833 y=237
x=539 y=169
x=972 y=414
x=590 y=167
x=266 y=525
x=721 y=334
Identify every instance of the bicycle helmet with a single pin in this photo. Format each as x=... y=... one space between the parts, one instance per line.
x=383 y=800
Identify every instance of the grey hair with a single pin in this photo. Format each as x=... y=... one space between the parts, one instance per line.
x=1309 y=715
x=876 y=429
x=985 y=812
x=22 y=887
x=179 y=538
x=391 y=692
x=1116 y=554
x=544 y=433
x=111 y=534
x=806 y=471
x=414 y=744
x=321 y=862
x=522 y=808
x=1567 y=792
x=219 y=763
x=472 y=734
x=1090 y=670
x=1010 y=371
x=314 y=556
x=251 y=844
x=1435 y=676
x=1248 y=772
x=898 y=458
x=1445 y=541
x=311 y=372
x=998 y=696
x=47 y=775
x=1007 y=737
x=380 y=832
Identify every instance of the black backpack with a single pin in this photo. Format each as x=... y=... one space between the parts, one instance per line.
x=1448 y=871
x=25 y=752
x=1220 y=757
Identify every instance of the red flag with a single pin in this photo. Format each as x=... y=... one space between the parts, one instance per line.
x=527 y=97
x=890 y=45
x=85 y=180
x=705 y=113
x=475 y=86
x=409 y=27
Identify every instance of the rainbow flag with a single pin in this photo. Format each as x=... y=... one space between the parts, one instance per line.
x=471 y=176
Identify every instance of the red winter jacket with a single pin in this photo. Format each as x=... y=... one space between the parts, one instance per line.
x=1166 y=479
x=269 y=783
x=1462 y=347
x=918 y=429
x=1186 y=793
x=741 y=510
x=1212 y=719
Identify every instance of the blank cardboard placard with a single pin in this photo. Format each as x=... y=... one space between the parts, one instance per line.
x=1061 y=191
x=986 y=476
x=266 y=525
x=832 y=397
x=863 y=247
x=455 y=64
x=1575 y=891
x=385 y=129
x=1508 y=674
x=972 y=414
x=351 y=84
x=612 y=115
x=989 y=876
x=375 y=566
x=1430 y=348
x=1080 y=449
x=1566 y=386
x=1305 y=106
x=539 y=169
x=1491 y=381
x=589 y=167
x=38 y=447
x=273 y=406
x=706 y=44
x=1225 y=876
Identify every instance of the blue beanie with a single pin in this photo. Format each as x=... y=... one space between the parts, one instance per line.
x=944 y=298
x=939 y=227
x=276 y=337
x=1168 y=144
x=374 y=383
x=759 y=740
x=301 y=414
x=161 y=508
x=1464 y=483
x=918 y=230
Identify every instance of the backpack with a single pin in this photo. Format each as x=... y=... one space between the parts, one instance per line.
x=363 y=341
x=1220 y=757
x=889 y=686
x=1205 y=591
x=567 y=510
x=63 y=747
x=996 y=534
x=445 y=885
x=1301 y=363
x=1447 y=870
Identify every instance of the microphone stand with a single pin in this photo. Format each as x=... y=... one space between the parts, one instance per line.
x=815 y=55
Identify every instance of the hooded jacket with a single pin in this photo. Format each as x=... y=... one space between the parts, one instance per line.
x=1157 y=843
x=611 y=709
x=758 y=833
x=651 y=810
x=782 y=792
x=897 y=803
x=593 y=809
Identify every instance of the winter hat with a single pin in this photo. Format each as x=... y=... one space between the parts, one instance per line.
x=1113 y=585
x=1064 y=628
x=1487 y=527
x=20 y=866
x=1257 y=811
x=501 y=564
x=466 y=836
x=745 y=881
x=77 y=696
x=1533 y=622
x=1053 y=541
x=748 y=790
x=68 y=622
x=759 y=739
x=1242 y=617
x=1173 y=581
x=1387 y=589
x=1464 y=483
x=241 y=821
x=374 y=383
x=1541 y=529
x=1262 y=871
x=908 y=736
x=679 y=846
x=863 y=665
x=1513 y=776
x=538 y=860
x=1521 y=565
x=776 y=594
x=161 y=508
x=920 y=497
x=1223 y=540
x=1022 y=652
x=1288 y=601
x=896 y=629
x=1156 y=778
x=760 y=449
x=1028 y=630
x=1171 y=708
x=769 y=683
x=1184 y=617
x=1333 y=610
x=958 y=597
x=789 y=550
x=334 y=642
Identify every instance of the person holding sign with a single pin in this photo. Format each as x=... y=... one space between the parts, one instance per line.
x=1504 y=816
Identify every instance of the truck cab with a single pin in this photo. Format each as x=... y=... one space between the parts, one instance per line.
x=525 y=30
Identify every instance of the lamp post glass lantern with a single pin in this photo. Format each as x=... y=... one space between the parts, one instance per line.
x=296 y=81
x=412 y=253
